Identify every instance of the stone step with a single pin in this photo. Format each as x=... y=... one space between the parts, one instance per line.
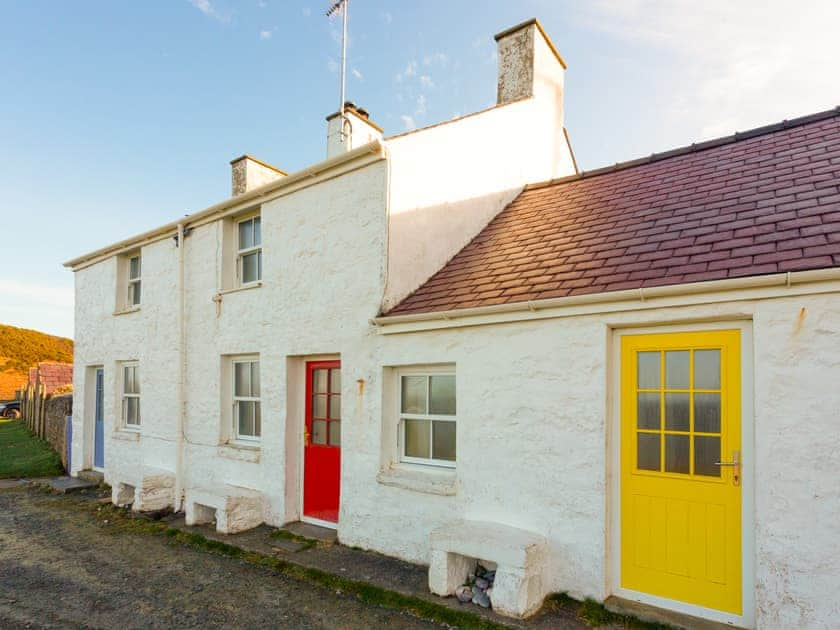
x=92 y=475
x=64 y=485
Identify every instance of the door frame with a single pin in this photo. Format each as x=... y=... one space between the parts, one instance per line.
x=303 y=406
x=89 y=429
x=747 y=618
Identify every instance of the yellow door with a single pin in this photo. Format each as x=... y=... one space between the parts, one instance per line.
x=680 y=485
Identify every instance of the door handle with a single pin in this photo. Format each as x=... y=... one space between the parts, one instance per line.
x=736 y=467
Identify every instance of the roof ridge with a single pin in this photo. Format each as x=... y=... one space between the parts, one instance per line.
x=694 y=147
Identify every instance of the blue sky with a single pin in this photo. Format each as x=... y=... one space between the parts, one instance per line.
x=116 y=117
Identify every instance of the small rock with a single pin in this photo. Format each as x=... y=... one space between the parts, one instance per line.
x=464 y=594
x=481 y=583
x=490 y=576
x=480 y=598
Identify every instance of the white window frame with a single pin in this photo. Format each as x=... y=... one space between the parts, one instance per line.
x=235 y=400
x=132 y=282
x=428 y=371
x=241 y=253
x=125 y=396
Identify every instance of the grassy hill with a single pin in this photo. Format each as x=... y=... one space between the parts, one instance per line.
x=21 y=348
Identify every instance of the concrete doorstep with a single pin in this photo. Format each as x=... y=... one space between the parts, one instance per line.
x=63 y=485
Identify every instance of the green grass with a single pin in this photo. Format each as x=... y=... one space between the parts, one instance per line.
x=24 y=455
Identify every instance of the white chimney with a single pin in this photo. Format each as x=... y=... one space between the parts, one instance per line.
x=529 y=65
x=247 y=173
x=359 y=130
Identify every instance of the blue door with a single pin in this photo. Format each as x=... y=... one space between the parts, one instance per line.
x=99 y=423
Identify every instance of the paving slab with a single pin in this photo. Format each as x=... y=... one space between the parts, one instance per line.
x=64 y=485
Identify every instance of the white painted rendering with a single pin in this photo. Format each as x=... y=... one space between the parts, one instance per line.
x=358 y=130
x=534 y=386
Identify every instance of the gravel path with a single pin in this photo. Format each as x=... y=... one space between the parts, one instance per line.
x=60 y=568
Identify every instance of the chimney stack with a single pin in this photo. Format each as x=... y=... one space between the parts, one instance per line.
x=529 y=64
x=248 y=173
x=359 y=130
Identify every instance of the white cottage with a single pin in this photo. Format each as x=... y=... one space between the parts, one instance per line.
x=451 y=346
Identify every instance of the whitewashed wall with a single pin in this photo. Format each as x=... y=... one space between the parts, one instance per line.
x=450 y=180
x=105 y=339
x=533 y=446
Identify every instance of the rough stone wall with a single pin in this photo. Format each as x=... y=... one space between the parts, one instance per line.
x=57 y=409
x=247 y=174
x=516 y=65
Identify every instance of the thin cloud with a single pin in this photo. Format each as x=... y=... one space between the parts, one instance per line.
x=426 y=81
x=207 y=8
x=410 y=71
x=266 y=34
x=408 y=122
x=735 y=66
x=386 y=17
x=306 y=11
x=357 y=74
x=437 y=58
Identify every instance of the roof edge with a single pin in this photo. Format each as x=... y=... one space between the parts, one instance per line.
x=695 y=147
x=253 y=196
x=248 y=156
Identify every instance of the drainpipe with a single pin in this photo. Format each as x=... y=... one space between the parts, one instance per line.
x=182 y=372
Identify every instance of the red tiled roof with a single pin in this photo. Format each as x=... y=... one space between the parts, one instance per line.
x=761 y=202
x=53 y=375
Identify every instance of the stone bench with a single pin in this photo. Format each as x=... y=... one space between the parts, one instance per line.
x=235 y=509
x=146 y=490
x=521 y=557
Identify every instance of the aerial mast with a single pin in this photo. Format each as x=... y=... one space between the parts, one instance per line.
x=342 y=5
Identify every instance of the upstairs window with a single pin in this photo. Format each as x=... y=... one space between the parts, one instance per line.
x=247 y=418
x=134 y=282
x=427 y=416
x=131 y=396
x=249 y=251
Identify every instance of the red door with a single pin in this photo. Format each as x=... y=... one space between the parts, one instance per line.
x=322 y=445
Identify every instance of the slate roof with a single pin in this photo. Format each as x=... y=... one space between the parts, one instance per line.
x=759 y=202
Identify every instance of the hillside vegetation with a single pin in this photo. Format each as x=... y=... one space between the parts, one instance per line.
x=21 y=349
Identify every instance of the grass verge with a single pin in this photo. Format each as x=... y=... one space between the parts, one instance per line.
x=24 y=455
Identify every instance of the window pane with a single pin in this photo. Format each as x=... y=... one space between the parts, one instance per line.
x=648 y=451
x=335 y=407
x=319 y=406
x=246 y=235
x=245 y=417
x=250 y=267
x=676 y=412
x=242 y=379
x=442 y=395
x=443 y=446
x=131 y=411
x=706 y=453
x=255 y=379
x=417 y=438
x=414 y=394
x=134 y=293
x=335 y=381
x=648 y=410
x=648 y=377
x=676 y=369
x=676 y=453
x=136 y=372
x=707 y=413
x=134 y=267
x=128 y=380
x=257 y=231
x=707 y=369
x=319 y=381
x=335 y=434
x=319 y=431
x=257 y=420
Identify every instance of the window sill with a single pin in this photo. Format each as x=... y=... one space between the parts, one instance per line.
x=126 y=311
x=127 y=435
x=240 y=452
x=425 y=479
x=244 y=287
